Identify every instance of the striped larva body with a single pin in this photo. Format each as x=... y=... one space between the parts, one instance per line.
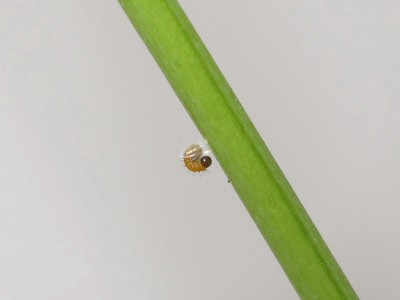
x=199 y=165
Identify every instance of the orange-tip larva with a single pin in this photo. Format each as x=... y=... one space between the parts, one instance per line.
x=194 y=159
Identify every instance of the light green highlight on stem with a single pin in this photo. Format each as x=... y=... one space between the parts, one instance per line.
x=240 y=150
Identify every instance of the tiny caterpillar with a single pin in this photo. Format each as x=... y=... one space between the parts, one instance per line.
x=194 y=159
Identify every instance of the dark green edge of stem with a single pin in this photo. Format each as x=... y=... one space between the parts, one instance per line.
x=240 y=150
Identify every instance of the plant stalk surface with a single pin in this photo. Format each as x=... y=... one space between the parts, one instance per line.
x=240 y=150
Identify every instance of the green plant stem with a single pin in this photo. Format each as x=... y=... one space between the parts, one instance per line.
x=240 y=150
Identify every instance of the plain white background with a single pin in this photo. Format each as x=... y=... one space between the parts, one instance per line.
x=94 y=201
